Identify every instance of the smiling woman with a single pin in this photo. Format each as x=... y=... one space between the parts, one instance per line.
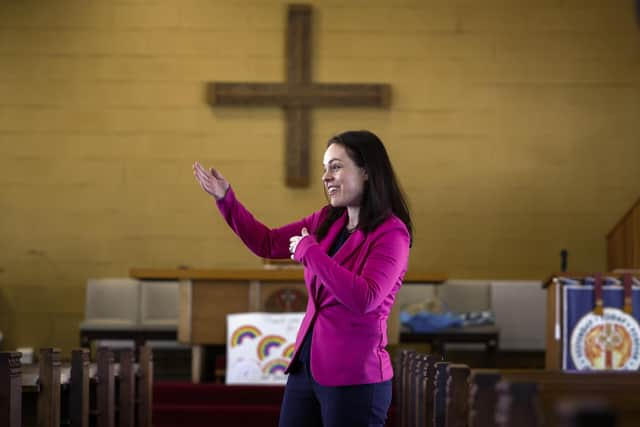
x=344 y=181
x=355 y=252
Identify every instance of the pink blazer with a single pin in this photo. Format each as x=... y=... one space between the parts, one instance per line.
x=350 y=294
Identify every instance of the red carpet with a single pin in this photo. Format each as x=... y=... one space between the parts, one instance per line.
x=182 y=404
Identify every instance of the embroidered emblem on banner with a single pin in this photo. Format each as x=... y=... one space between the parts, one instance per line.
x=607 y=341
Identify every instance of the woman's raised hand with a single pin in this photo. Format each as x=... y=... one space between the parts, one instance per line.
x=211 y=181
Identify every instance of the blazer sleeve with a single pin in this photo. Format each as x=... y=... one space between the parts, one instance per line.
x=260 y=239
x=385 y=264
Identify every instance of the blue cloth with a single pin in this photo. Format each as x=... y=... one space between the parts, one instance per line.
x=424 y=321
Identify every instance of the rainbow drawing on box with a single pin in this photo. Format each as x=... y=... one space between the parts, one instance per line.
x=276 y=366
x=288 y=351
x=245 y=331
x=268 y=343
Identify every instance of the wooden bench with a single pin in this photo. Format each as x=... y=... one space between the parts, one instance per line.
x=81 y=394
x=442 y=394
x=615 y=392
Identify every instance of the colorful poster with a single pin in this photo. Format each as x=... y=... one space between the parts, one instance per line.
x=260 y=346
x=610 y=341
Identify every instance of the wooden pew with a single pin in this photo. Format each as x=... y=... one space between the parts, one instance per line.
x=124 y=390
x=49 y=394
x=53 y=394
x=402 y=387
x=424 y=388
x=105 y=389
x=440 y=394
x=145 y=387
x=78 y=389
x=440 y=380
x=517 y=405
x=483 y=398
x=457 y=403
x=10 y=389
x=410 y=400
x=618 y=391
x=527 y=398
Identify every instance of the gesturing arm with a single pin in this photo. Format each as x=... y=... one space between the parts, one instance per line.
x=260 y=239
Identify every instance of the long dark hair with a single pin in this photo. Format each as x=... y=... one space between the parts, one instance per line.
x=382 y=194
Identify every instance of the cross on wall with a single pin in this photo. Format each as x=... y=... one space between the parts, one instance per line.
x=298 y=94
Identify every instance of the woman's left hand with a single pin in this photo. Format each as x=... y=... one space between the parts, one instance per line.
x=294 y=240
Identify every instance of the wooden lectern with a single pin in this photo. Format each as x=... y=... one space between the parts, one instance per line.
x=207 y=296
x=553 y=354
x=623 y=255
x=555 y=306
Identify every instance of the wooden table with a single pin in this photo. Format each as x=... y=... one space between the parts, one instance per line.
x=489 y=335
x=207 y=296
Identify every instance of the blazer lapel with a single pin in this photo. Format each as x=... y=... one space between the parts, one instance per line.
x=325 y=244
x=351 y=245
x=333 y=232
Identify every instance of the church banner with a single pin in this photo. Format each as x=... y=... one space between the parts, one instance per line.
x=260 y=346
x=600 y=324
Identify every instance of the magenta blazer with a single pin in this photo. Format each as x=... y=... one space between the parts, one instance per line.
x=350 y=294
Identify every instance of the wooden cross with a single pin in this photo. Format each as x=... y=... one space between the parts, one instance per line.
x=298 y=94
x=609 y=340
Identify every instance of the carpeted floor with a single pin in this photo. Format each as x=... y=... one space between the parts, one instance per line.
x=183 y=404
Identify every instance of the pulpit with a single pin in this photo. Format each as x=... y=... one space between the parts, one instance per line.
x=592 y=320
x=207 y=296
x=623 y=259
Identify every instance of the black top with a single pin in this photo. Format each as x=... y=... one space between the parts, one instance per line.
x=342 y=237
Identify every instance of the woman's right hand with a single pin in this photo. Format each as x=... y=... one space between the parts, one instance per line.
x=211 y=181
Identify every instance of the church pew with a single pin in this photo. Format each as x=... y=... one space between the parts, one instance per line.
x=517 y=405
x=457 y=402
x=410 y=385
x=402 y=391
x=414 y=388
x=10 y=389
x=460 y=396
x=41 y=390
x=55 y=394
x=483 y=398
x=49 y=394
x=440 y=380
x=125 y=397
x=79 y=388
x=424 y=388
x=619 y=391
x=144 y=387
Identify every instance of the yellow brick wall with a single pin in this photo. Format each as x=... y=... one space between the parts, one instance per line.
x=514 y=129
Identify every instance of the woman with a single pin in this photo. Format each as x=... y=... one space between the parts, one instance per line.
x=355 y=253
